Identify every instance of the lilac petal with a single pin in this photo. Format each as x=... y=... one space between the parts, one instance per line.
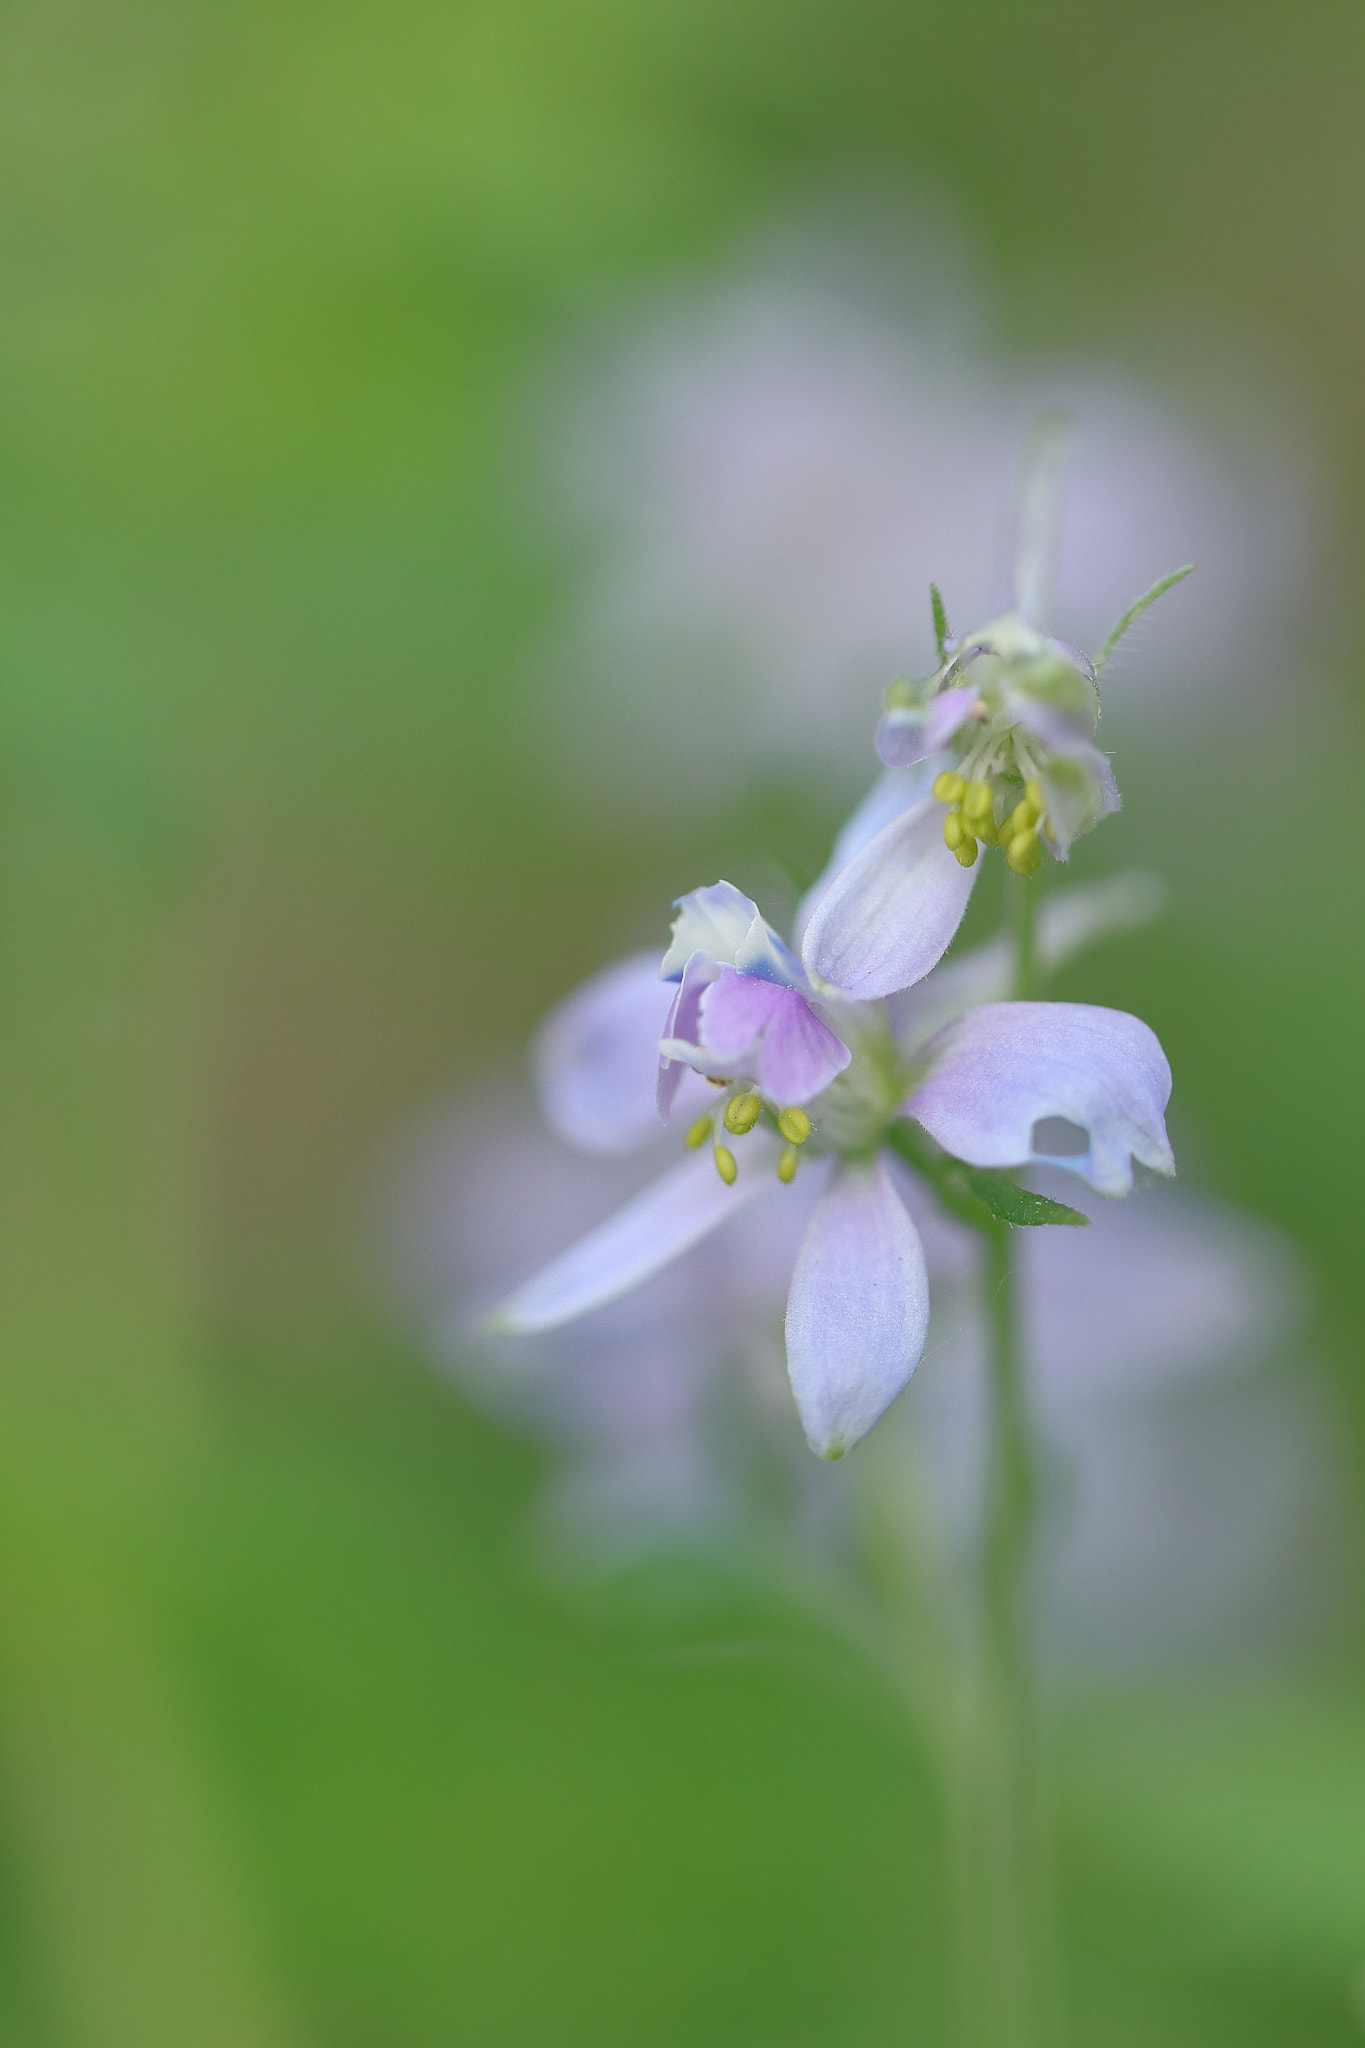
x=595 y=1057
x=911 y=733
x=1003 y=1068
x=714 y=920
x=894 y=791
x=772 y=1032
x=661 y=1223
x=858 y=1309
x=890 y=913
x=682 y=1024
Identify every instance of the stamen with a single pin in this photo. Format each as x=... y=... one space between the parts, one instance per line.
x=700 y=1131
x=725 y=1165
x=788 y=1163
x=949 y=787
x=794 y=1125
x=976 y=803
x=1024 y=853
x=965 y=853
x=742 y=1113
x=954 y=831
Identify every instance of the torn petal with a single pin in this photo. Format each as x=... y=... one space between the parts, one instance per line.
x=1004 y=1068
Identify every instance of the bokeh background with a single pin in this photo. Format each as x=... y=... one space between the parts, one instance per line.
x=312 y=798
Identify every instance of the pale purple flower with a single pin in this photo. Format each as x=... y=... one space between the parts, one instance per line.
x=992 y=1082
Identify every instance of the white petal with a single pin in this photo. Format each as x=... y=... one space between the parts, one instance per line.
x=890 y=913
x=714 y=920
x=596 y=1058
x=858 y=1309
x=660 y=1224
x=1005 y=1067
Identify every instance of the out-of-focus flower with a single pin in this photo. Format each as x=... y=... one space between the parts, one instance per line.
x=987 y=1087
x=761 y=470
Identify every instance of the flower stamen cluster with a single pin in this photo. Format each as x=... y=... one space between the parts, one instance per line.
x=972 y=818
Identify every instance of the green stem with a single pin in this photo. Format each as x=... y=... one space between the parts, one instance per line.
x=1004 y=1892
x=1026 y=963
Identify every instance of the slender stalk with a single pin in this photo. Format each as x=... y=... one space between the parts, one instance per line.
x=1007 y=1960
x=1026 y=963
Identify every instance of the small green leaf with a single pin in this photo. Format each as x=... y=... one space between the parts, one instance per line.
x=940 y=623
x=1011 y=1203
x=978 y=1195
x=1135 y=611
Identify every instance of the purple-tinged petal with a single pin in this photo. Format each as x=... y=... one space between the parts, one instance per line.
x=911 y=733
x=891 y=912
x=1078 y=790
x=1005 y=1068
x=858 y=1309
x=661 y=1223
x=683 y=1023
x=714 y=920
x=595 y=1057
x=772 y=1033
x=766 y=957
x=894 y=791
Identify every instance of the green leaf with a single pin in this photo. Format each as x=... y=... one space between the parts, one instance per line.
x=940 y=623
x=978 y=1195
x=1135 y=611
x=1012 y=1204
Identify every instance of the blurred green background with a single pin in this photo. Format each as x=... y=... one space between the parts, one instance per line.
x=293 y=1749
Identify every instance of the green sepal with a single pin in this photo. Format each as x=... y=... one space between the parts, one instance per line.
x=940 y=623
x=1135 y=611
x=979 y=1195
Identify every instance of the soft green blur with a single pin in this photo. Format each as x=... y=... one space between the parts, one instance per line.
x=293 y=1750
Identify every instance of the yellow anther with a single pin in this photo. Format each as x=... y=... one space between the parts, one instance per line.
x=949 y=787
x=1033 y=790
x=954 y=831
x=966 y=852
x=699 y=1132
x=977 y=801
x=985 y=831
x=1024 y=853
x=1022 y=818
x=725 y=1165
x=794 y=1125
x=788 y=1163
x=742 y=1113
